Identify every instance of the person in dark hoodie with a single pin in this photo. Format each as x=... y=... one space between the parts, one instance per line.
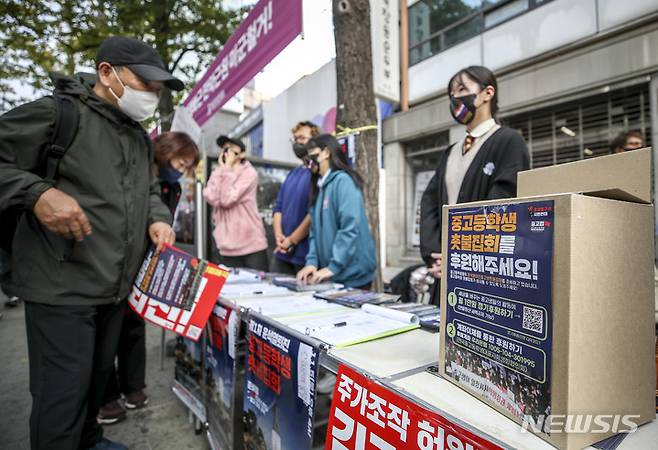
x=82 y=237
x=341 y=248
x=481 y=166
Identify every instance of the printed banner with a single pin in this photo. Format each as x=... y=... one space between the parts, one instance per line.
x=188 y=372
x=279 y=389
x=221 y=341
x=176 y=291
x=499 y=315
x=268 y=29
x=365 y=415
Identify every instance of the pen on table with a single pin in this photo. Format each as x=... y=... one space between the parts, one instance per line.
x=309 y=330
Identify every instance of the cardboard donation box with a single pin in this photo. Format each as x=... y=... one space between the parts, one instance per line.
x=548 y=300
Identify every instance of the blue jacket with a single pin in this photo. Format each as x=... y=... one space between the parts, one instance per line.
x=340 y=238
x=292 y=203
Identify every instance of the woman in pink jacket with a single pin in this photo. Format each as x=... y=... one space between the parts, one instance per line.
x=231 y=191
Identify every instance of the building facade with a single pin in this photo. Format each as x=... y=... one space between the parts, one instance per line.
x=571 y=75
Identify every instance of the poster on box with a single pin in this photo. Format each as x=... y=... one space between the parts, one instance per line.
x=279 y=389
x=499 y=312
x=223 y=328
x=365 y=415
x=176 y=291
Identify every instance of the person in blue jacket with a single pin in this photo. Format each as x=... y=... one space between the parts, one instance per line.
x=341 y=248
x=291 y=222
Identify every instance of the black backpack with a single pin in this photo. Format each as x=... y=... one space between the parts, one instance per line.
x=66 y=127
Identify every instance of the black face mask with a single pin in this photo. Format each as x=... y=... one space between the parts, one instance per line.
x=299 y=149
x=463 y=108
x=312 y=162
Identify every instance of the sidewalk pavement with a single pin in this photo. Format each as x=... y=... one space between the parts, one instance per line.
x=163 y=424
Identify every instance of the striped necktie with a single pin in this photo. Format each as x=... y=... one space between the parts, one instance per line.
x=468 y=143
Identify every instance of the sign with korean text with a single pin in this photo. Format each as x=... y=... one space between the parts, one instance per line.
x=279 y=389
x=384 y=20
x=499 y=305
x=365 y=415
x=223 y=328
x=268 y=29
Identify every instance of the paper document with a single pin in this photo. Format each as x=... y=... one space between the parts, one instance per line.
x=295 y=305
x=400 y=316
x=251 y=289
x=243 y=276
x=344 y=329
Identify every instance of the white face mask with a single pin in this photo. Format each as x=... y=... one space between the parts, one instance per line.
x=138 y=105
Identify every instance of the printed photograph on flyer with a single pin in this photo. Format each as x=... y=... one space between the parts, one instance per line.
x=498 y=318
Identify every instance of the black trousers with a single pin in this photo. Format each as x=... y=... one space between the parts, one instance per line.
x=280 y=266
x=256 y=261
x=71 y=351
x=130 y=373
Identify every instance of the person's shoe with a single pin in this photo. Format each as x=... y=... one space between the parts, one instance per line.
x=110 y=414
x=136 y=400
x=106 y=444
x=12 y=302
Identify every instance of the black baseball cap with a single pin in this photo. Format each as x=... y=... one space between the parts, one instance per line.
x=223 y=139
x=323 y=141
x=139 y=57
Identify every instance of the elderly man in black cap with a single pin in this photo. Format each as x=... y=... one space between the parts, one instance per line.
x=87 y=207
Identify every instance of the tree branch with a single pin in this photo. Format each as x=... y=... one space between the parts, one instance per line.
x=179 y=57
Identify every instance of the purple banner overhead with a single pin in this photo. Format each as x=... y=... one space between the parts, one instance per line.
x=268 y=29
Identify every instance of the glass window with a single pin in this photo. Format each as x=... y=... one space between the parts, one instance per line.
x=423 y=158
x=583 y=128
x=463 y=31
x=505 y=12
x=436 y=25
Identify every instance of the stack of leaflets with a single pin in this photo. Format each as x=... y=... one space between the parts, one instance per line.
x=176 y=290
x=243 y=276
x=292 y=284
x=252 y=289
x=355 y=298
x=428 y=315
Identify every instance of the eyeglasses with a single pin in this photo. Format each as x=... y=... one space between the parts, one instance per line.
x=299 y=140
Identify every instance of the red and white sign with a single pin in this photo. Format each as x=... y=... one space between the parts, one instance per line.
x=366 y=415
x=189 y=321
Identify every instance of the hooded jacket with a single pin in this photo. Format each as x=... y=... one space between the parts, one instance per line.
x=239 y=229
x=340 y=238
x=107 y=169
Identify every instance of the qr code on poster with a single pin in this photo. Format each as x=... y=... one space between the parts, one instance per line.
x=533 y=319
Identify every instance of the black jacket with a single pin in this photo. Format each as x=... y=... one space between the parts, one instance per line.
x=508 y=153
x=170 y=194
x=107 y=169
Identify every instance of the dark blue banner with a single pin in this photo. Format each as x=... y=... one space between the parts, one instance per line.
x=279 y=389
x=223 y=328
x=498 y=318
